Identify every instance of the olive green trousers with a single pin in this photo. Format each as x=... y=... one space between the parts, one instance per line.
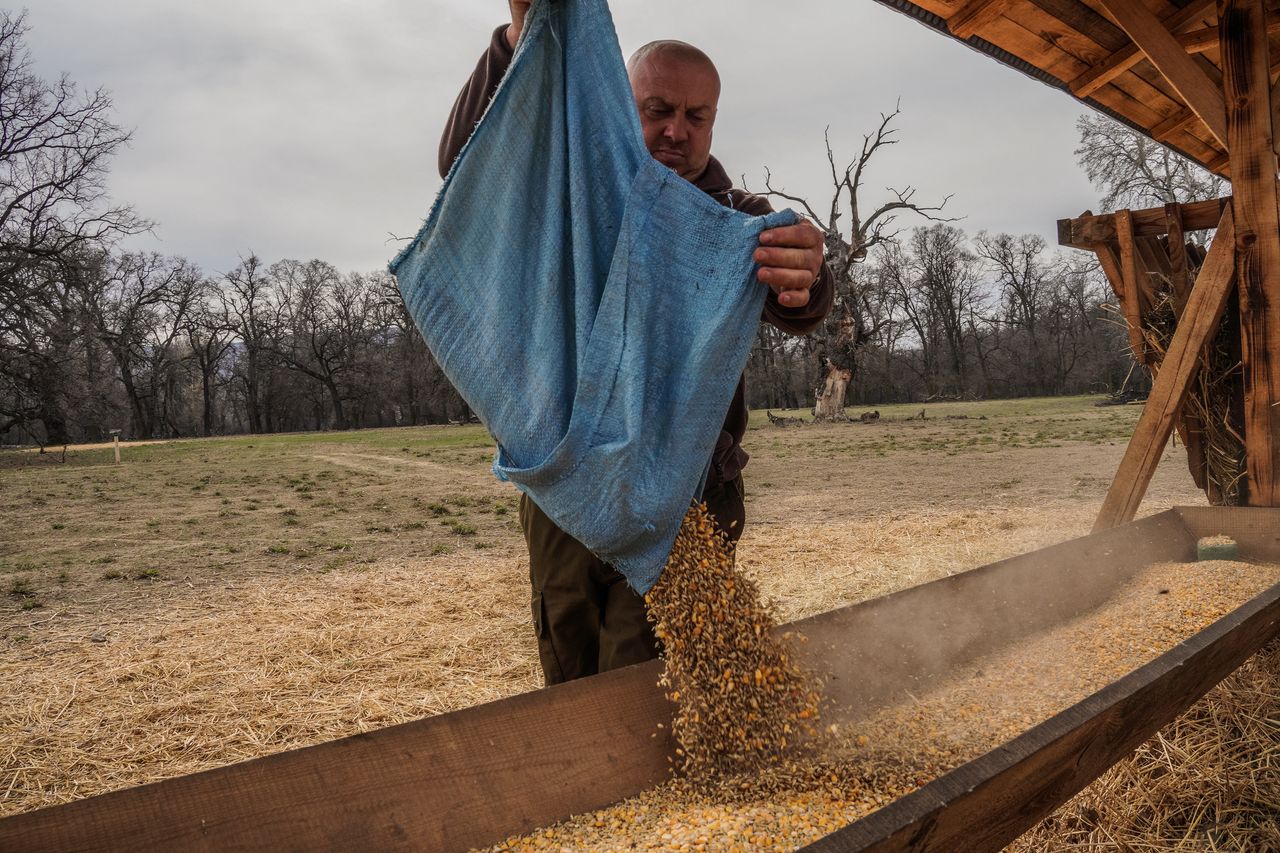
x=587 y=619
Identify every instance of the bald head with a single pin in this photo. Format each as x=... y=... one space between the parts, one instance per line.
x=676 y=88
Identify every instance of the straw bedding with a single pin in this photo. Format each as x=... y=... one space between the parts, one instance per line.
x=276 y=664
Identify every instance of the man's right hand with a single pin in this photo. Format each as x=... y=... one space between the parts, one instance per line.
x=519 y=8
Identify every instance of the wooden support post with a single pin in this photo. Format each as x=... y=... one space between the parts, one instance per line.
x=115 y=443
x=1131 y=302
x=1199 y=322
x=1180 y=268
x=1190 y=81
x=1246 y=81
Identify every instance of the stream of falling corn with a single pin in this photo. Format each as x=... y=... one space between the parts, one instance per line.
x=757 y=771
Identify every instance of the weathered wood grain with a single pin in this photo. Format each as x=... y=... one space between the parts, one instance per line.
x=1246 y=67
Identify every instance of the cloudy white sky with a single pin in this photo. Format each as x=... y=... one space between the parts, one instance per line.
x=308 y=128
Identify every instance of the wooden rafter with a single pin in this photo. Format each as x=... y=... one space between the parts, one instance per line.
x=1206 y=39
x=1199 y=322
x=1124 y=59
x=1188 y=79
x=974 y=15
x=1247 y=83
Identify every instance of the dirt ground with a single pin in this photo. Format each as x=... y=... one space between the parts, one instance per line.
x=311 y=586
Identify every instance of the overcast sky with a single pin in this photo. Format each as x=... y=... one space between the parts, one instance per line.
x=301 y=129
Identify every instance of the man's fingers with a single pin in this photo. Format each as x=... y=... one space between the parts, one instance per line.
x=794 y=298
x=801 y=236
x=780 y=278
x=795 y=259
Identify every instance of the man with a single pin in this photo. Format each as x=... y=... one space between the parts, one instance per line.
x=586 y=617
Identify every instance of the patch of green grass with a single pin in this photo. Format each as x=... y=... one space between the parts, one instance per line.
x=440 y=548
x=112 y=575
x=32 y=604
x=147 y=575
x=21 y=588
x=277 y=549
x=461 y=528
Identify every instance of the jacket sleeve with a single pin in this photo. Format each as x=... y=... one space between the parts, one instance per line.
x=474 y=98
x=793 y=321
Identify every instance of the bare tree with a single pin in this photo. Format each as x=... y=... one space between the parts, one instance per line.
x=1133 y=171
x=141 y=306
x=55 y=146
x=855 y=317
x=247 y=302
x=210 y=335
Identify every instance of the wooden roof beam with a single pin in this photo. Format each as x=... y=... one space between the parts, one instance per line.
x=975 y=15
x=1199 y=41
x=1122 y=60
x=1088 y=230
x=1188 y=79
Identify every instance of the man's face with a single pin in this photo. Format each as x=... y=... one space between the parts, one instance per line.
x=677 y=103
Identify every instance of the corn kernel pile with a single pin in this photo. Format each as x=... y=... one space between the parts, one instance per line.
x=743 y=703
x=862 y=764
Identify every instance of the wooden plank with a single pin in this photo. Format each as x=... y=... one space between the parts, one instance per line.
x=1109 y=260
x=1179 y=265
x=449 y=782
x=1169 y=390
x=1246 y=68
x=1088 y=229
x=1256 y=530
x=1190 y=81
x=974 y=15
x=476 y=776
x=1206 y=39
x=1122 y=60
x=1173 y=125
x=990 y=801
x=872 y=653
x=1131 y=300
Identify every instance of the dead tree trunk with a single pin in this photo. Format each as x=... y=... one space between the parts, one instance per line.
x=855 y=317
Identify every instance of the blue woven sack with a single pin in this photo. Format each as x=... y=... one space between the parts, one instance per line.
x=594 y=309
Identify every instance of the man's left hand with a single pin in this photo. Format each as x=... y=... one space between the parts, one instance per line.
x=790 y=259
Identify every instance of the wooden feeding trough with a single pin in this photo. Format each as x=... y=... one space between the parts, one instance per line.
x=1197 y=75
x=475 y=776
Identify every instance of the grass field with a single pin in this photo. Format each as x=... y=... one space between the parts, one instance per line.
x=222 y=598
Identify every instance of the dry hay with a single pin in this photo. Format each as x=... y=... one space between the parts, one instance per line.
x=1210 y=780
x=277 y=664
x=1213 y=396
x=824 y=564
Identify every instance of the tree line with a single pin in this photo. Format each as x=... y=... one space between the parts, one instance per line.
x=94 y=338
x=939 y=314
